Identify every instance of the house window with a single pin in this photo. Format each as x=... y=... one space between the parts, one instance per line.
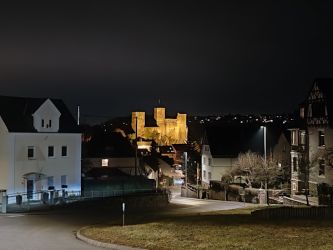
x=31 y=152
x=209 y=161
x=321 y=135
x=50 y=151
x=63 y=180
x=303 y=138
x=64 y=151
x=204 y=161
x=43 y=123
x=50 y=182
x=105 y=162
x=294 y=186
x=204 y=174
x=209 y=175
x=50 y=123
x=321 y=167
x=294 y=163
x=207 y=148
x=294 y=137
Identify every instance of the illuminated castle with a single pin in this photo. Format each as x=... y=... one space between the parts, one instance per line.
x=165 y=131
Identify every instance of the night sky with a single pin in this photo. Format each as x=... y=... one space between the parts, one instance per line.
x=113 y=57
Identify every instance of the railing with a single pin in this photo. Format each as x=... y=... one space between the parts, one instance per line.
x=294 y=212
x=26 y=201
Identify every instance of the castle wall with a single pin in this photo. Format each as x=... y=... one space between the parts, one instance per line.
x=169 y=131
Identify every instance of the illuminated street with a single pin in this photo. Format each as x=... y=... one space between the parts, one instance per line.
x=55 y=229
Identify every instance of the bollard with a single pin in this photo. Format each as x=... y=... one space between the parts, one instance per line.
x=123 y=214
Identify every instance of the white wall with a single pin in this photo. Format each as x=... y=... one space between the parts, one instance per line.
x=48 y=112
x=56 y=166
x=217 y=168
x=5 y=155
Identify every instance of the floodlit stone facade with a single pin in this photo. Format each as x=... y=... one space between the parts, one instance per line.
x=165 y=131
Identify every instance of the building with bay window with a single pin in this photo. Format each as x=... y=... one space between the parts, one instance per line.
x=312 y=140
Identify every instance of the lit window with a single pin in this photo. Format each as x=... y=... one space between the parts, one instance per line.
x=294 y=186
x=294 y=137
x=50 y=151
x=31 y=152
x=303 y=138
x=105 y=162
x=321 y=167
x=321 y=135
x=64 y=151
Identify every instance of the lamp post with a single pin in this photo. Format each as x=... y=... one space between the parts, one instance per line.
x=265 y=161
x=136 y=144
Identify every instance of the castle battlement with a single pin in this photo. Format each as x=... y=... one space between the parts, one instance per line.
x=165 y=131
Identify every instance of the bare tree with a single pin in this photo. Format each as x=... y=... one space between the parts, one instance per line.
x=254 y=169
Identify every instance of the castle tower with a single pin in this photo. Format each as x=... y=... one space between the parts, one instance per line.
x=141 y=122
x=159 y=116
x=182 y=128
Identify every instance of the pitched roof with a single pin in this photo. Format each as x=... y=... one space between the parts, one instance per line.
x=16 y=112
x=108 y=145
x=227 y=141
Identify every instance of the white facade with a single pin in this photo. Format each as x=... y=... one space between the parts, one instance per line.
x=34 y=161
x=213 y=168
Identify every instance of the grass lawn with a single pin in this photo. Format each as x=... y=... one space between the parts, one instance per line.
x=234 y=229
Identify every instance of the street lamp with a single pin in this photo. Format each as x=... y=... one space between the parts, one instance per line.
x=265 y=160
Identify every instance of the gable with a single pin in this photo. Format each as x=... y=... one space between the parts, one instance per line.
x=46 y=117
x=17 y=114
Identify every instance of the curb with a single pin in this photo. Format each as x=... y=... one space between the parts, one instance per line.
x=102 y=244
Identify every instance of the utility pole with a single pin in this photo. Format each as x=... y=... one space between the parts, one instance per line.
x=78 y=115
x=136 y=144
x=198 y=180
x=265 y=162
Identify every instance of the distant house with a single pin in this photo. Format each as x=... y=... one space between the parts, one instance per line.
x=223 y=143
x=109 y=150
x=40 y=146
x=312 y=136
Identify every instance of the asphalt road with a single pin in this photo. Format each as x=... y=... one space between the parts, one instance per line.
x=54 y=230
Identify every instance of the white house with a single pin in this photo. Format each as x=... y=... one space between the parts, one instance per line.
x=40 y=146
x=224 y=142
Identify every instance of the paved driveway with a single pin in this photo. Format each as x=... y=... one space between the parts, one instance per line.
x=53 y=230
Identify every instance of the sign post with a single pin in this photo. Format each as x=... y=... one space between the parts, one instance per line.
x=123 y=207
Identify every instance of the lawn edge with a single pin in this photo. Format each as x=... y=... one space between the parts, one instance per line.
x=102 y=244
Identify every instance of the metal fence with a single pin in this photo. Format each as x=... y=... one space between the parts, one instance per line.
x=294 y=212
x=39 y=200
